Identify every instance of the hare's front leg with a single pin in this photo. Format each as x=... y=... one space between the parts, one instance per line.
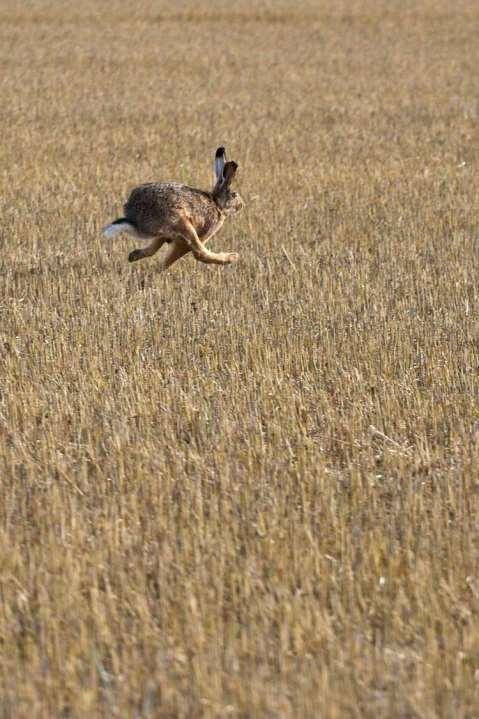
x=186 y=230
x=146 y=251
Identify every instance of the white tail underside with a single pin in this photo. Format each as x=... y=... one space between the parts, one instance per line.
x=117 y=228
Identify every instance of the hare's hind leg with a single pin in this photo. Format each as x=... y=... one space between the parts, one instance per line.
x=147 y=251
x=177 y=249
x=186 y=230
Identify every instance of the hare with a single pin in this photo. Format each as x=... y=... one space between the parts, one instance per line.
x=184 y=217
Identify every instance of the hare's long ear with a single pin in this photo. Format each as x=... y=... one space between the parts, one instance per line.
x=229 y=171
x=220 y=159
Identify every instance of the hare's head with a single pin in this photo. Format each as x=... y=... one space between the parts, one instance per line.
x=227 y=200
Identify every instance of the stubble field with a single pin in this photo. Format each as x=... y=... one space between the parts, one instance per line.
x=247 y=491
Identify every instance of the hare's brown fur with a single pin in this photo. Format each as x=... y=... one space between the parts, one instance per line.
x=155 y=207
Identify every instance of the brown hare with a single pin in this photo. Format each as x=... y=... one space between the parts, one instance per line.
x=184 y=217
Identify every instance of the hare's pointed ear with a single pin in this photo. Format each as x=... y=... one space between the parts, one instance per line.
x=220 y=159
x=229 y=171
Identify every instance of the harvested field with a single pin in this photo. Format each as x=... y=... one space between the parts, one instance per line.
x=244 y=491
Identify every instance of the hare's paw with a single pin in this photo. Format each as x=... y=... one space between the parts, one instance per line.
x=232 y=257
x=135 y=255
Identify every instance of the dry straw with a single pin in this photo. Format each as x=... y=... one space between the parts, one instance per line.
x=245 y=491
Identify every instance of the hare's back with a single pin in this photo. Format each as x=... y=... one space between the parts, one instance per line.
x=154 y=206
x=148 y=206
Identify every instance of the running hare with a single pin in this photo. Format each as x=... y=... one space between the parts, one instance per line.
x=181 y=215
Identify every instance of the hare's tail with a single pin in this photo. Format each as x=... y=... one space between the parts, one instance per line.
x=118 y=226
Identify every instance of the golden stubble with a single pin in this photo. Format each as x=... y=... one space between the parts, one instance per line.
x=247 y=491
